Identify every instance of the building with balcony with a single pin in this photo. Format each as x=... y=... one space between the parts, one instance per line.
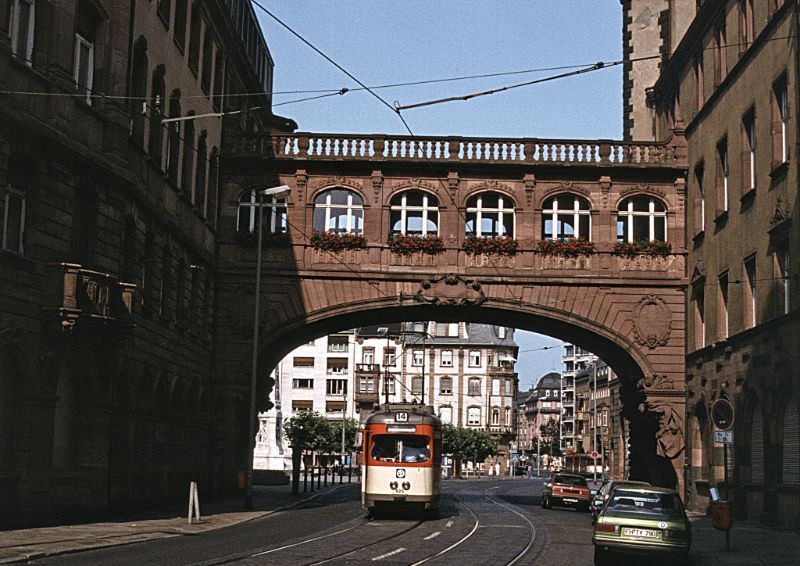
x=465 y=371
x=574 y=359
x=108 y=247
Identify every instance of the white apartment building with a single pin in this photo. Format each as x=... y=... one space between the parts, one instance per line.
x=574 y=359
x=465 y=371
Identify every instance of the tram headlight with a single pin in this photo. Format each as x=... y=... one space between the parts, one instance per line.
x=406 y=485
x=393 y=485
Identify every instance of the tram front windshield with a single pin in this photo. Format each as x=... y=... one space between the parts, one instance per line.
x=401 y=448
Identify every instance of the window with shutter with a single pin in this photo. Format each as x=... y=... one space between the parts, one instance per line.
x=791 y=444
x=757 y=448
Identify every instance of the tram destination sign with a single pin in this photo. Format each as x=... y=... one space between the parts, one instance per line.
x=722 y=414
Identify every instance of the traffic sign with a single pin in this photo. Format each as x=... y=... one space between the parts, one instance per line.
x=723 y=436
x=595 y=455
x=722 y=414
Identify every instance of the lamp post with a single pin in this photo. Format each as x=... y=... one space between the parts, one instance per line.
x=280 y=191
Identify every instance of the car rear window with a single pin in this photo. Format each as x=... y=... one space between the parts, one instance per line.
x=648 y=502
x=571 y=480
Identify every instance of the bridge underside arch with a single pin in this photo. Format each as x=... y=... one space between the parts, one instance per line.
x=655 y=425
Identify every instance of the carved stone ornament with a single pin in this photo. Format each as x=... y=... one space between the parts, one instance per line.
x=338 y=181
x=656 y=382
x=605 y=188
x=669 y=438
x=377 y=185
x=566 y=187
x=529 y=182
x=301 y=182
x=652 y=322
x=642 y=188
x=453 y=181
x=450 y=290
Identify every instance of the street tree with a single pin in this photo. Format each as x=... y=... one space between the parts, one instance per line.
x=550 y=434
x=467 y=444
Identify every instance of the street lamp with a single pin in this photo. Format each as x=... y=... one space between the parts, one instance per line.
x=280 y=191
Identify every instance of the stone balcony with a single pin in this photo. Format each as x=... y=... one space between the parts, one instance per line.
x=367 y=380
x=80 y=296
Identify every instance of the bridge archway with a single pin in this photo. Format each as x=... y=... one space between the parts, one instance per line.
x=647 y=416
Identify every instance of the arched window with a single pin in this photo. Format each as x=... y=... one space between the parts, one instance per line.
x=490 y=215
x=791 y=444
x=174 y=136
x=642 y=219
x=340 y=211
x=414 y=213
x=138 y=90
x=200 y=174
x=474 y=416
x=566 y=216
x=275 y=219
x=156 y=113
x=188 y=155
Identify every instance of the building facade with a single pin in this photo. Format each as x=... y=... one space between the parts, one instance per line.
x=465 y=371
x=731 y=85
x=108 y=247
x=574 y=359
x=541 y=405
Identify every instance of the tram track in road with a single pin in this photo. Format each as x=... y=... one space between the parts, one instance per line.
x=477 y=525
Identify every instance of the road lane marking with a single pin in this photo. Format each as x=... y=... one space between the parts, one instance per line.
x=306 y=541
x=449 y=523
x=392 y=553
x=432 y=535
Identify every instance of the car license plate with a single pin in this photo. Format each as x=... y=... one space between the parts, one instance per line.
x=644 y=533
x=570 y=500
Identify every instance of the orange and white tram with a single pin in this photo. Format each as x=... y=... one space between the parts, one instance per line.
x=402 y=446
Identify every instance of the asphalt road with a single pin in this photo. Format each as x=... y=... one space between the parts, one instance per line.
x=481 y=522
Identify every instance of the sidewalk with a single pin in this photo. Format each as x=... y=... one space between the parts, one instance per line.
x=28 y=544
x=751 y=545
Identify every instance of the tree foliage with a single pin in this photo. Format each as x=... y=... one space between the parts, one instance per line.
x=312 y=431
x=467 y=443
x=550 y=434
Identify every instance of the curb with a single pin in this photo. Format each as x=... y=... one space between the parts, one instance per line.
x=169 y=532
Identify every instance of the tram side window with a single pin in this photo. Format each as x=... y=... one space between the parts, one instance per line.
x=405 y=448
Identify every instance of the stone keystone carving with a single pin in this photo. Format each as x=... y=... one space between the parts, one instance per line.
x=450 y=290
x=652 y=322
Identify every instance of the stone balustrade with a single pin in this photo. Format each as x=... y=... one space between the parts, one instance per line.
x=355 y=147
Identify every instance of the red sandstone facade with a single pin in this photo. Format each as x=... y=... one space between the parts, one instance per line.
x=627 y=309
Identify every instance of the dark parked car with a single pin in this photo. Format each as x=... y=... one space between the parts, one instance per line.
x=604 y=493
x=568 y=490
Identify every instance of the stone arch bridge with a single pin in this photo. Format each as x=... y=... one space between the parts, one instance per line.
x=626 y=305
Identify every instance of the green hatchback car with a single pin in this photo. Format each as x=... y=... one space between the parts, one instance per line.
x=642 y=521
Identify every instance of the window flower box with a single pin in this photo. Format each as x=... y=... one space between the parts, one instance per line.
x=496 y=245
x=567 y=247
x=335 y=242
x=654 y=248
x=274 y=239
x=409 y=245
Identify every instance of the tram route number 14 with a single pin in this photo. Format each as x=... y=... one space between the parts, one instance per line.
x=401 y=417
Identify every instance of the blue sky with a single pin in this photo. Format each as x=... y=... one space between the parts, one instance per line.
x=383 y=42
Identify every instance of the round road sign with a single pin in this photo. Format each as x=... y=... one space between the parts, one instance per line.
x=722 y=414
x=595 y=455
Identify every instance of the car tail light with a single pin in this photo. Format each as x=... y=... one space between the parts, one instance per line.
x=675 y=534
x=406 y=485
x=393 y=485
x=606 y=528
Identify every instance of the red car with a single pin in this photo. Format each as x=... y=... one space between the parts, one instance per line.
x=568 y=490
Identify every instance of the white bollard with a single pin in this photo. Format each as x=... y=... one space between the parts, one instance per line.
x=194 y=502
